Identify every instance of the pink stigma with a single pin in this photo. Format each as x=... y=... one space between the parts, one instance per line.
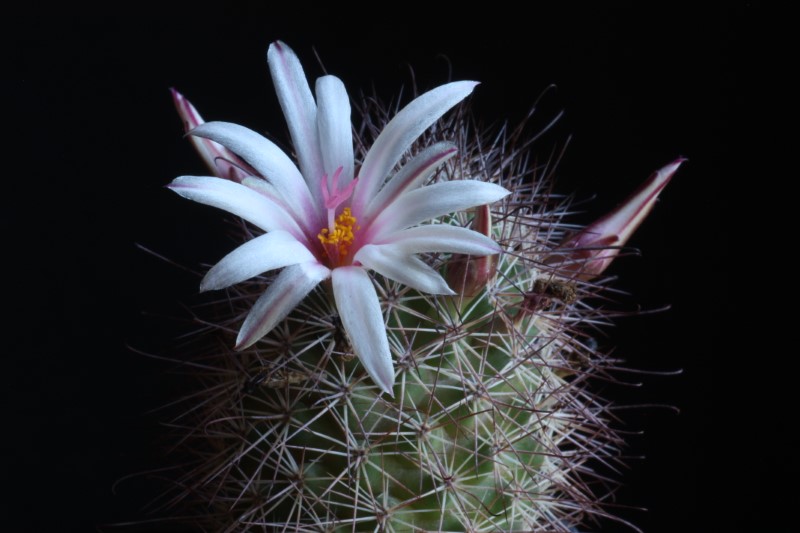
x=331 y=195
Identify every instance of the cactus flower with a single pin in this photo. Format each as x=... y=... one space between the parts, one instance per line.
x=588 y=253
x=324 y=220
x=494 y=424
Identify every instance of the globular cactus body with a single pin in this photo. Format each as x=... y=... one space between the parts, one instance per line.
x=492 y=426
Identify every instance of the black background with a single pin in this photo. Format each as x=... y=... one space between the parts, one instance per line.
x=94 y=138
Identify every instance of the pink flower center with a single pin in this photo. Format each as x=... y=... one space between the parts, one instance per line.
x=340 y=233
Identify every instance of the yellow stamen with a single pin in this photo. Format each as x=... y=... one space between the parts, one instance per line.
x=342 y=234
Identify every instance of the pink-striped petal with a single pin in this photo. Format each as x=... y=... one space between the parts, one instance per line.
x=362 y=318
x=401 y=132
x=217 y=158
x=272 y=250
x=407 y=269
x=284 y=293
x=432 y=201
x=412 y=175
x=300 y=111
x=238 y=200
x=269 y=160
x=440 y=238
x=263 y=186
x=334 y=128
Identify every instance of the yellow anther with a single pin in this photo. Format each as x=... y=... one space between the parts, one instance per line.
x=342 y=233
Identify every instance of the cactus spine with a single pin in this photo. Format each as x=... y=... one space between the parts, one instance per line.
x=492 y=427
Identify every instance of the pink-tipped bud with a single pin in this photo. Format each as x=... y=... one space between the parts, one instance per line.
x=221 y=161
x=469 y=275
x=588 y=253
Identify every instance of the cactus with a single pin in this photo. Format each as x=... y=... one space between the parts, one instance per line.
x=483 y=420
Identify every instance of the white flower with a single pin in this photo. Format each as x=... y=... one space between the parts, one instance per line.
x=321 y=221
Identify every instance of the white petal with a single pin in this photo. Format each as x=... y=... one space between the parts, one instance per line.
x=401 y=132
x=272 y=250
x=219 y=159
x=412 y=175
x=334 y=128
x=269 y=160
x=284 y=293
x=360 y=312
x=300 y=111
x=263 y=186
x=407 y=269
x=238 y=200
x=441 y=238
x=433 y=201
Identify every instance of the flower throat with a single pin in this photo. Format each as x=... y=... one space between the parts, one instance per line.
x=340 y=233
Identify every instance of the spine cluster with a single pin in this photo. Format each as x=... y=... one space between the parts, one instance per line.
x=493 y=426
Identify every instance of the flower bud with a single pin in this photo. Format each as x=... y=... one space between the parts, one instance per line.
x=466 y=274
x=221 y=161
x=588 y=253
